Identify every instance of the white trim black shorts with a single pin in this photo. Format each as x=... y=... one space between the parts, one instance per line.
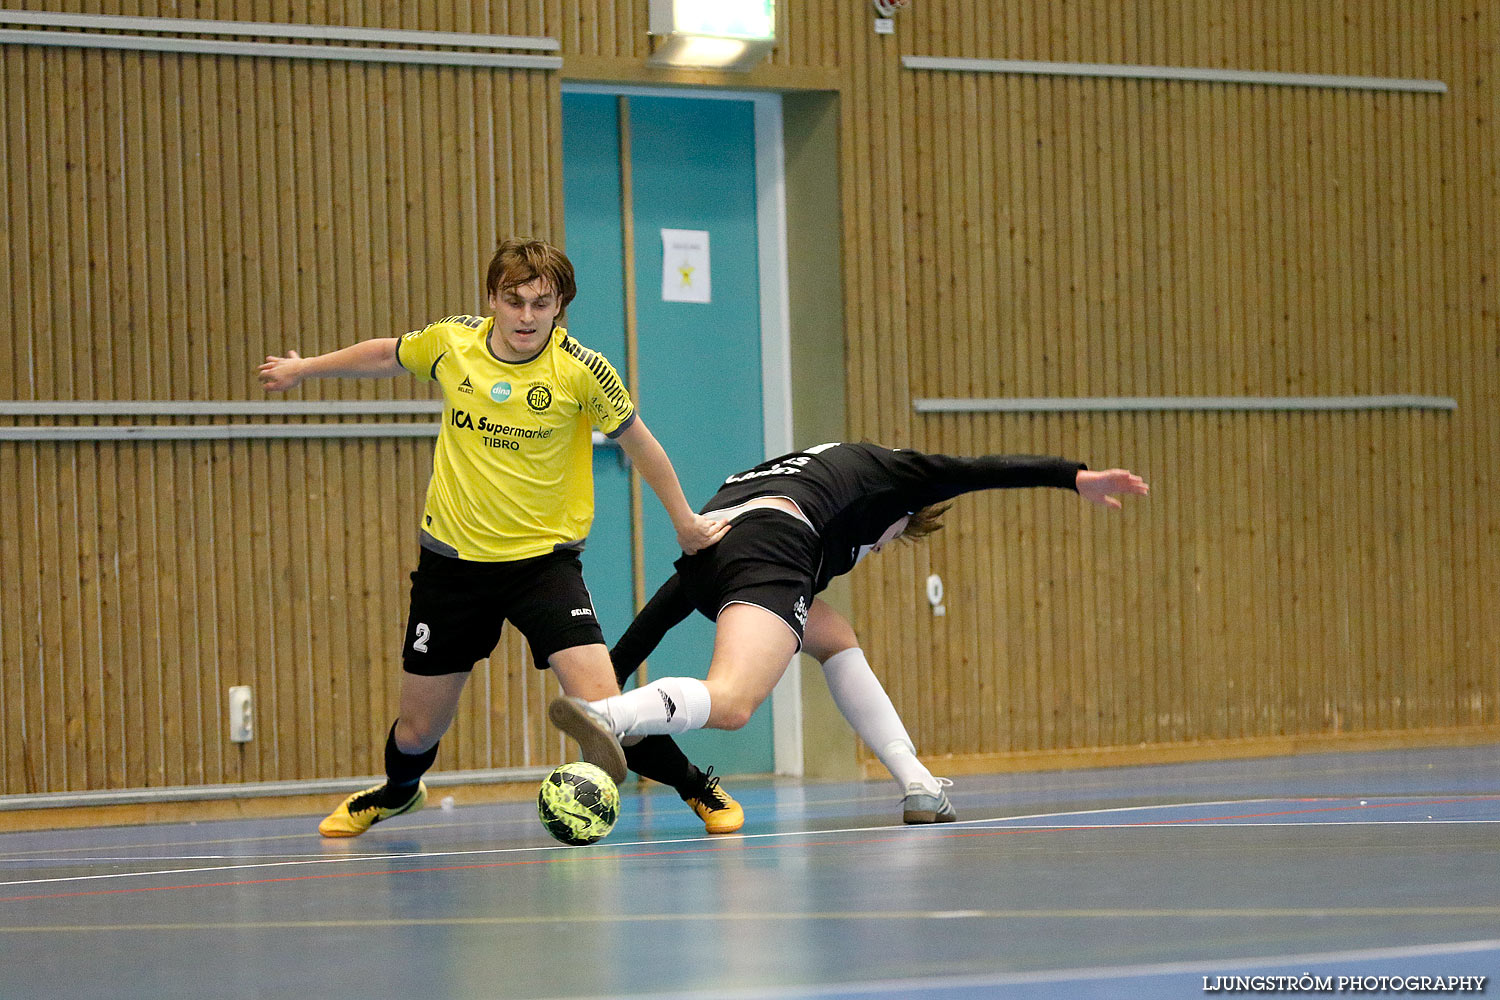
x=769 y=559
x=458 y=607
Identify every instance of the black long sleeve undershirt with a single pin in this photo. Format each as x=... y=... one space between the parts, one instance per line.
x=664 y=612
x=656 y=757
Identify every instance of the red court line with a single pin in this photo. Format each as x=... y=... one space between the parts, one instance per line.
x=739 y=845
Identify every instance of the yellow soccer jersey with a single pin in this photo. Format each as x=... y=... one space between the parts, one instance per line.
x=513 y=471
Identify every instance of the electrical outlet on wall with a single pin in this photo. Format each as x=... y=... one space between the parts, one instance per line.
x=241 y=714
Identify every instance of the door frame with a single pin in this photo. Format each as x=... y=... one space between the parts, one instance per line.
x=775 y=337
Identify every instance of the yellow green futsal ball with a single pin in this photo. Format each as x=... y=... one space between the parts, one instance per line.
x=578 y=803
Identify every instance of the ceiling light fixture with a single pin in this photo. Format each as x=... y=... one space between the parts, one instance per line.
x=733 y=35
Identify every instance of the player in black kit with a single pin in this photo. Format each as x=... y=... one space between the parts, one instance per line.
x=799 y=521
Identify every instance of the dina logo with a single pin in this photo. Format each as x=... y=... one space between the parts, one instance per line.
x=500 y=391
x=539 y=398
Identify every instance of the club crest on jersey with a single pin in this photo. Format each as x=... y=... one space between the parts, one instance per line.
x=539 y=397
x=500 y=391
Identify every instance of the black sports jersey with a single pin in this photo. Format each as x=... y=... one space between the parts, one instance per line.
x=851 y=493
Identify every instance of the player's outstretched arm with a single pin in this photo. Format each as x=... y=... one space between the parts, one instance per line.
x=366 y=359
x=1106 y=487
x=694 y=531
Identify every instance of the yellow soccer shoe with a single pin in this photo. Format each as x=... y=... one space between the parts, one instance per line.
x=362 y=810
x=719 y=812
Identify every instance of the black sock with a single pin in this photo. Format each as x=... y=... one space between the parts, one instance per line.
x=661 y=759
x=404 y=770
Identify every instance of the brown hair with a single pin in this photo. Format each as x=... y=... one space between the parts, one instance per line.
x=924 y=522
x=518 y=262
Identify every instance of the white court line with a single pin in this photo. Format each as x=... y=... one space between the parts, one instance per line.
x=483 y=852
x=1219 y=825
x=1157 y=806
x=1090 y=973
x=173 y=857
x=54 y=853
x=288 y=860
x=717 y=838
x=602 y=851
x=276 y=864
x=1296 y=800
x=649 y=799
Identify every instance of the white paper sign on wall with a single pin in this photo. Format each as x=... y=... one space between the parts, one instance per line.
x=684 y=266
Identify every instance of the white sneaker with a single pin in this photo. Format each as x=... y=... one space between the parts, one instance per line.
x=921 y=806
x=596 y=741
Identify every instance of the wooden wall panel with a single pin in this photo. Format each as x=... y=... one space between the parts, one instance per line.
x=168 y=220
x=1293 y=574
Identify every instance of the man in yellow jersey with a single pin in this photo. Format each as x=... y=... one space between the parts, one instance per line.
x=508 y=509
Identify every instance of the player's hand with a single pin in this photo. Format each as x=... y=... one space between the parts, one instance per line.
x=281 y=374
x=700 y=533
x=1102 y=487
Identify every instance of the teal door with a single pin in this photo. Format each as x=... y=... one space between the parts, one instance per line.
x=693 y=167
x=591 y=184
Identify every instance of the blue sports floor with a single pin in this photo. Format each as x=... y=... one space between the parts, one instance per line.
x=1121 y=883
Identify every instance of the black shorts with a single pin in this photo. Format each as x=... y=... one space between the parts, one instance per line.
x=769 y=559
x=458 y=607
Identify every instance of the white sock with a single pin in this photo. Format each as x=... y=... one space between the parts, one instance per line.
x=666 y=706
x=863 y=701
x=900 y=758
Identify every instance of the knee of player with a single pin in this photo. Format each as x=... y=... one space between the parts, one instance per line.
x=416 y=736
x=729 y=710
x=735 y=717
x=828 y=633
x=827 y=652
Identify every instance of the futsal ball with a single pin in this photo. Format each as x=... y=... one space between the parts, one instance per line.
x=578 y=803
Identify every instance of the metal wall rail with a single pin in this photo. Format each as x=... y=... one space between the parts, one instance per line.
x=254 y=790
x=267 y=29
x=1229 y=404
x=213 y=408
x=88 y=31
x=213 y=432
x=1238 y=76
x=224 y=408
x=345 y=53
